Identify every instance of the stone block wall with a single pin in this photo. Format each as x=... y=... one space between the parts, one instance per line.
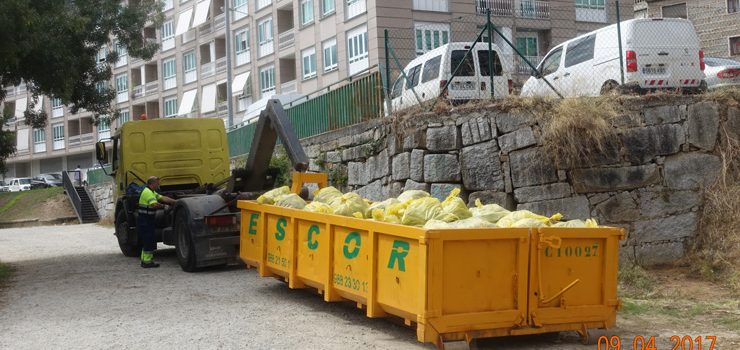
x=651 y=183
x=102 y=194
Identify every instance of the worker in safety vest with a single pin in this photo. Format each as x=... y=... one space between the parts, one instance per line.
x=149 y=202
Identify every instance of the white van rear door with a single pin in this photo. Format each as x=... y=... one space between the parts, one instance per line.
x=667 y=54
x=464 y=86
x=500 y=80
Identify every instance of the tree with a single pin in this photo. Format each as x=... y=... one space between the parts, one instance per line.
x=51 y=45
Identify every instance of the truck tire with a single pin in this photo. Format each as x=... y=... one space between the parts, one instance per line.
x=184 y=247
x=128 y=249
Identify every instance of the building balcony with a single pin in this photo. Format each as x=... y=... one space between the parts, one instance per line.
x=286 y=39
x=39 y=147
x=288 y=86
x=221 y=65
x=519 y=8
x=205 y=29
x=207 y=69
x=149 y=88
x=57 y=112
x=219 y=21
x=78 y=140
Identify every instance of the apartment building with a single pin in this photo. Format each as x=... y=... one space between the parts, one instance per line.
x=717 y=22
x=277 y=47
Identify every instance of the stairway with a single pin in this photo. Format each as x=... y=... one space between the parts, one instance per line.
x=87 y=211
x=81 y=201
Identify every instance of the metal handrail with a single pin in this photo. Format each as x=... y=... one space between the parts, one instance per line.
x=71 y=189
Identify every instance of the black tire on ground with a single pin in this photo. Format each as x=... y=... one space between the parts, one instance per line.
x=184 y=245
x=130 y=250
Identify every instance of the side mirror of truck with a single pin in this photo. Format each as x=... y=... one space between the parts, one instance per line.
x=101 y=154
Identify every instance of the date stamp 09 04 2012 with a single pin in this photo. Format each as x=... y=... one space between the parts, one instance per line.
x=639 y=342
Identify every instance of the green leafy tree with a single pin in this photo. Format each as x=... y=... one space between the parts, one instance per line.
x=51 y=45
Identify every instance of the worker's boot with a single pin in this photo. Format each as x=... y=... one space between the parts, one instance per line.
x=147 y=260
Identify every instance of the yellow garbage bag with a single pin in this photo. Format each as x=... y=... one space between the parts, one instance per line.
x=290 y=200
x=577 y=223
x=326 y=195
x=318 y=207
x=349 y=204
x=437 y=224
x=421 y=210
x=514 y=216
x=380 y=205
x=490 y=212
x=270 y=196
x=529 y=222
x=411 y=195
x=453 y=208
x=384 y=216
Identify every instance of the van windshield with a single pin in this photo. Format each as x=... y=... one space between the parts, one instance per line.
x=467 y=69
x=483 y=61
x=24 y=181
x=653 y=34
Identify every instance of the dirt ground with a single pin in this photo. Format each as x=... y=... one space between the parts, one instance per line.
x=73 y=289
x=54 y=204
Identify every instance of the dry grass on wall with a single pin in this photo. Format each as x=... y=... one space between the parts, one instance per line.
x=715 y=254
x=578 y=130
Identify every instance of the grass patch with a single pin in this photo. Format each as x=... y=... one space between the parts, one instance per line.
x=5 y=272
x=23 y=205
x=635 y=282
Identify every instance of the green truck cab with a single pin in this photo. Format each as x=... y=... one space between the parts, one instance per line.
x=190 y=156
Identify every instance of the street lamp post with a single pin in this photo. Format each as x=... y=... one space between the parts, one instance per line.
x=228 y=63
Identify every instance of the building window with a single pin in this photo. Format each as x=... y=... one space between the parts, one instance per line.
x=306 y=12
x=57 y=134
x=591 y=4
x=122 y=54
x=330 y=54
x=327 y=7
x=241 y=47
x=528 y=46
x=240 y=9
x=263 y=3
x=101 y=55
x=267 y=80
x=264 y=37
x=123 y=116
x=309 y=63
x=355 y=8
x=122 y=87
x=39 y=136
x=57 y=108
x=733 y=6
x=431 y=5
x=189 y=66
x=735 y=46
x=170 y=107
x=103 y=128
x=675 y=11
x=168 y=35
x=429 y=36
x=357 y=55
x=169 y=73
x=166 y=5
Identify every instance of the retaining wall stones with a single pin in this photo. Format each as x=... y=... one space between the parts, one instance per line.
x=650 y=181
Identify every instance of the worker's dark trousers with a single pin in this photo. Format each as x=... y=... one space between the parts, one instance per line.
x=146 y=232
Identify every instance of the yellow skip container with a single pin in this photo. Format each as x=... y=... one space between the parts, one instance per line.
x=455 y=284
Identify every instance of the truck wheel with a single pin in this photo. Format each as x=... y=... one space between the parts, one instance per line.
x=184 y=247
x=128 y=249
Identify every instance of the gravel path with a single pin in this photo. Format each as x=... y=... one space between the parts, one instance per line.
x=74 y=290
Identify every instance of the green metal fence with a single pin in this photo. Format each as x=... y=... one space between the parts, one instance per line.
x=97 y=176
x=359 y=99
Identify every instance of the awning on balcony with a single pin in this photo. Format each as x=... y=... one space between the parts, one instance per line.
x=201 y=13
x=208 y=99
x=239 y=84
x=186 y=106
x=183 y=21
x=20 y=106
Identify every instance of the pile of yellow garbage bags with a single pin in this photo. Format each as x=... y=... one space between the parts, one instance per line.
x=417 y=208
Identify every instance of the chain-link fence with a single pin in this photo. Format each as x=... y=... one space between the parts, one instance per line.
x=544 y=48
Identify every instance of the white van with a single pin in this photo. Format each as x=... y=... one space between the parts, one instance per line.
x=429 y=73
x=20 y=184
x=659 y=53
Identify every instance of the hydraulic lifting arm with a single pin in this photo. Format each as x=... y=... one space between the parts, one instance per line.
x=273 y=122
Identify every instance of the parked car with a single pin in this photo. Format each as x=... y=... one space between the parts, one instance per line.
x=659 y=53
x=427 y=75
x=20 y=184
x=46 y=180
x=4 y=187
x=722 y=72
